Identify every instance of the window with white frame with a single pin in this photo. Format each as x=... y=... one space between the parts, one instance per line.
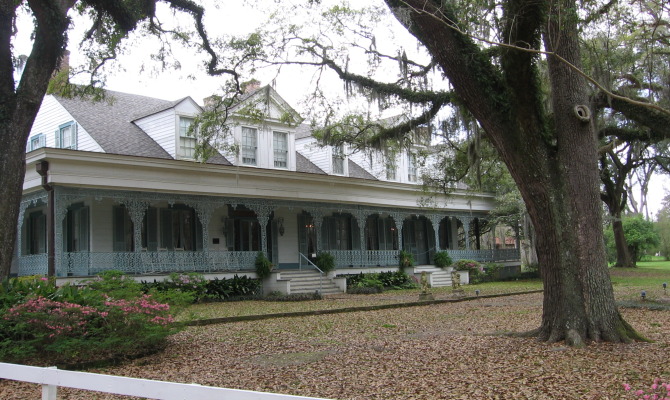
x=66 y=136
x=37 y=141
x=391 y=171
x=338 y=160
x=187 y=140
x=411 y=167
x=249 y=145
x=280 y=147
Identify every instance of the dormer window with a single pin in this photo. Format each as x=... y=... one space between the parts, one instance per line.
x=37 y=141
x=391 y=171
x=66 y=136
x=249 y=145
x=280 y=147
x=338 y=160
x=411 y=167
x=186 y=141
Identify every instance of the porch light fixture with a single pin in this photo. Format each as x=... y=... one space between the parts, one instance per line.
x=280 y=222
x=643 y=294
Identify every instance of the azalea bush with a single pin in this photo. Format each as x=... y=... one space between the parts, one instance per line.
x=475 y=269
x=60 y=332
x=106 y=318
x=659 y=390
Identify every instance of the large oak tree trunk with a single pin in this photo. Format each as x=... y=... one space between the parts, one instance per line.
x=19 y=106
x=624 y=258
x=552 y=160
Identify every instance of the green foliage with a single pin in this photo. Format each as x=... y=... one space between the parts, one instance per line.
x=325 y=261
x=263 y=266
x=442 y=259
x=184 y=289
x=106 y=319
x=640 y=235
x=379 y=281
x=405 y=259
x=233 y=288
x=474 y=268
x=663 y=228
x=67 y=333
x=115 y=284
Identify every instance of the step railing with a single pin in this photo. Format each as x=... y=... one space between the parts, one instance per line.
x=52 y=378
x=310 y=263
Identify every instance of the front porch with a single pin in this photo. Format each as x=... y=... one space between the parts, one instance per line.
x=159 y=233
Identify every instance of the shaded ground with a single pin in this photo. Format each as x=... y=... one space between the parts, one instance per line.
x=444 y=351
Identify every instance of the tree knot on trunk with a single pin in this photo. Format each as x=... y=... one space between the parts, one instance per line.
x=582 y=112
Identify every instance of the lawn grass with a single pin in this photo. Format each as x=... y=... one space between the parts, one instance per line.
x=627 y=284
x=649 y=276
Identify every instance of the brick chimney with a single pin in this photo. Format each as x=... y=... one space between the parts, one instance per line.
x=250 y=86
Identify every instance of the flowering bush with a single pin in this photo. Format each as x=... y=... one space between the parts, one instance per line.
x=657 y=391
x=468 y=265
x=64 y=332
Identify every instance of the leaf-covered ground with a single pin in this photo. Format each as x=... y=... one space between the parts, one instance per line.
x=444 y=351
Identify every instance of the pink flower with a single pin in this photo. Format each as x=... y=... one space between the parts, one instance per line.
x=639 y=393
x=626 y=387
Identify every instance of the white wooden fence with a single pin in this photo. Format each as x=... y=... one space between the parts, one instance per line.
x=52 y=378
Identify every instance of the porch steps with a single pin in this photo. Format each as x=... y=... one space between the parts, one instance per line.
x=440 y=277
x=309 y=281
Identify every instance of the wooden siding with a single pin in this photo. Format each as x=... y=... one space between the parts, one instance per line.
x=162 y=128
x=50 y=116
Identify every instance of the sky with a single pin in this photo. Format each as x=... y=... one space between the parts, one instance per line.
x=135 y=73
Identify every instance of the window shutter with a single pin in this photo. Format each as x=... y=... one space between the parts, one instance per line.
x=73 y=136
x=229 y=227
x=119 y=243
x=57 y=143
x=166 y=228
x=42 y=138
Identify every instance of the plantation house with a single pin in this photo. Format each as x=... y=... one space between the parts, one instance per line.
x=114 y=185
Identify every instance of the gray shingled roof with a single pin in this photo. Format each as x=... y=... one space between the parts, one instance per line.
x=302 y=164
x=110 y=123
x=356 y=171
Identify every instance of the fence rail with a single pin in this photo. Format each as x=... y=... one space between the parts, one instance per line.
x=52 y=378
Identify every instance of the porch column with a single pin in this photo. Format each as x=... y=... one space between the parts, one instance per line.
x=317 y=215
x=361 y=216
x=60 y=211
x=466 y=232
x=204 y=212
x=435 y=220
x=263 y=214
x=398 y=218
x=136 y=209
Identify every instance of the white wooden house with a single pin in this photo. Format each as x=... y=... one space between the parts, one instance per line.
x=127 y=194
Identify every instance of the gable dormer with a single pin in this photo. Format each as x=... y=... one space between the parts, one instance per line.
x=263 y=130
x=168 y=125
x=56 y=126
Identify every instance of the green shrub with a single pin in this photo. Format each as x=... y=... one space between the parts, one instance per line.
x=396 y=280
x=325 y=261
x=475 y=269
x=233 y=288
x=441 y=259
x=115 y=284
x=58 y=332
x=263 y=266
x=405 y=259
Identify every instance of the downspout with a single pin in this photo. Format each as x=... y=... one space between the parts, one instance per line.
x=43 y=169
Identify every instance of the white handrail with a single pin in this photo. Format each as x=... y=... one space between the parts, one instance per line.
x=315 y=267
x=51 y=378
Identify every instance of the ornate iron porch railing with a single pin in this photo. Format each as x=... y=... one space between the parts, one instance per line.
x=165 y=262
x=154 y=262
